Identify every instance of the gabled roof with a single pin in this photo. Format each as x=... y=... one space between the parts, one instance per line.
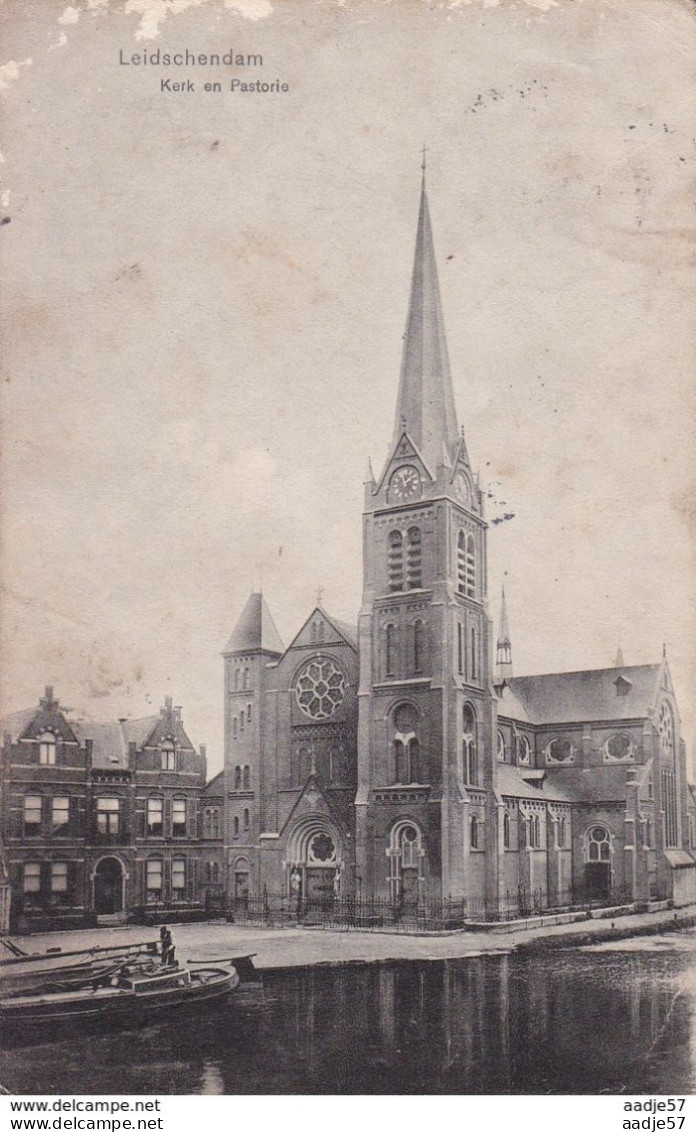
x=340 y=630
x=575 y=697
x=255 y=630
x=17 y=722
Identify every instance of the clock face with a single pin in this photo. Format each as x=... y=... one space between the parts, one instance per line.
x=405 y=485
x=461 y=486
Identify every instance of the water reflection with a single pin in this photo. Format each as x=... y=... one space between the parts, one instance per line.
x=567 y=1022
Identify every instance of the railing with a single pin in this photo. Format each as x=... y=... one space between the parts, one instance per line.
x=381 y=913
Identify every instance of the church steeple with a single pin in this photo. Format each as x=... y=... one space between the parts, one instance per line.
x=425 y=407
x=503 y=648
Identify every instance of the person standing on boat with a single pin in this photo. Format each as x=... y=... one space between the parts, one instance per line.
x=166 y=947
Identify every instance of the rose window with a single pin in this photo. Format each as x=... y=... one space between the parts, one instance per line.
x=320 y=688
x=322 y=848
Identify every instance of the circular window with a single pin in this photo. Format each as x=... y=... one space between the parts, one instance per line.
x=619 y=747
x=320 y=688
x=405 y=719
x=560 y=751
x=410 y=834
x=322 y=848
x=598 y=844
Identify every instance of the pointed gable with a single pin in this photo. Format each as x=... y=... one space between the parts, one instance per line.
x=320 y=629
x=255 y=630
x=425 y=407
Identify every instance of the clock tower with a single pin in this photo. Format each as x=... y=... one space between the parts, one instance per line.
x=425 y=810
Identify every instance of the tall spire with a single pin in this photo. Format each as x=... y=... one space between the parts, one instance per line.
x=503 y=649
x=425 y=408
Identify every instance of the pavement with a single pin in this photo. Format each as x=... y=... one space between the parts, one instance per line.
x=277 y=948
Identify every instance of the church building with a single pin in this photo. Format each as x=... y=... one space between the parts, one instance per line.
x=402 y=759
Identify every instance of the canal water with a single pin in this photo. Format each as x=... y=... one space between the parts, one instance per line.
x=607 y=1020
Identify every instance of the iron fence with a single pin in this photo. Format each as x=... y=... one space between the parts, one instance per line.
x=274 y=909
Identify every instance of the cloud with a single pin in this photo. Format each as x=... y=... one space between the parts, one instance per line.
x=70 y=16
x=154 y=12
x=9 y=72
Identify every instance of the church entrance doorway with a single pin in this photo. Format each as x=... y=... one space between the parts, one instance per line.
x=314 y=868
x=406 y=860
x=108 y=887
x=597 y=863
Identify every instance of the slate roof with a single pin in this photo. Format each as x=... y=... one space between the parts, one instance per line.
x=574 y=697
x=17 y=722
x=511 y=782
x=255 y=629
x=350 y=632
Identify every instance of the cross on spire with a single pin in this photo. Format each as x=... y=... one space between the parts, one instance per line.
x=423 y=162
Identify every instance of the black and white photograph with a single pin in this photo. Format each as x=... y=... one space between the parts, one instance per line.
x=347 y=536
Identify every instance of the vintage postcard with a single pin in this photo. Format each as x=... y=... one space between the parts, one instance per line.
x=347 y=535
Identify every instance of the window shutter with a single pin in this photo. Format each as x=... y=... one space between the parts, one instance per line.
x=192 y=824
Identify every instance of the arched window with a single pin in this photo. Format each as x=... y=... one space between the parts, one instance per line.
x=524 y=750
x=238 y=778
x=461 y=648
x=469 y=759
x=647 y=834
x=474 y=655
x=321 y=631
x=461 y=563
x=506 y=830
x=241 y=720
x=395 y=561
x=247 y=778
x=474 y=832
x=470 y=566
x=248 y=713
x=168 y=755
x=236 y=826
x=418 y=647
x=414 y=560
x=237 y=674
x=501 y=747
x=597 y=844
x=533 y=831
x=334 y=764
x=390 y=650
x=561 y=833
x=245 y=679
x=246 y=819
x=406 y=746
x=47 y=749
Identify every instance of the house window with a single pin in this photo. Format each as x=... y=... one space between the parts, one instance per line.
x=179 y=817
x=211 y=823
x=474 y=826
x=155 y=823
x=32 y=877
x=469 y=759
x=247 y=778
x=60 y=815
x=32 y=815
x=506 y=830
x=395 y=561
x=390 y=650
x=418 y=647
x=168 y=756
x=238 y=778
x=47 y=749
x=414 y=560
x=154 y=881
x=108 y=815
x=179 y=878
x=59 y=881
x=246 y=819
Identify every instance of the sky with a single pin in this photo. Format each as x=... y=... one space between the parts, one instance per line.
x=205 y=296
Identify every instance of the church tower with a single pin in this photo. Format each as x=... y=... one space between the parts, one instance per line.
x=425 y=816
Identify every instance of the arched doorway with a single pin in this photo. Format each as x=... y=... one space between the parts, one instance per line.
x=597 y=863
x=313 y=864
x=406 y=861
x=108 y=886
